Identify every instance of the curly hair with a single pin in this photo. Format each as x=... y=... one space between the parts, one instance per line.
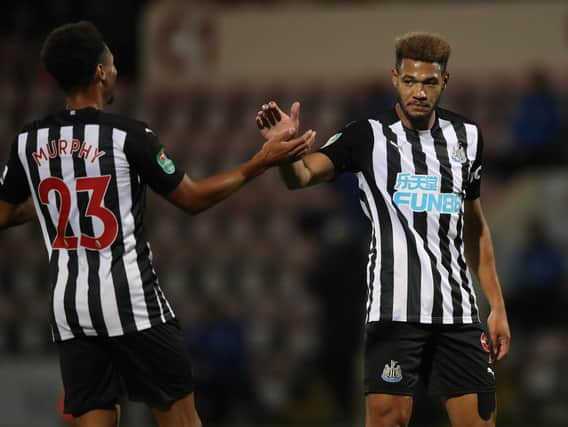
x=71 y=53
x=423 y=46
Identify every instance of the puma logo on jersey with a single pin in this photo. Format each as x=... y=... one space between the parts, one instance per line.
x=393 y=143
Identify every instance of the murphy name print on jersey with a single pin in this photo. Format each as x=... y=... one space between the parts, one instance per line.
x=86 y=172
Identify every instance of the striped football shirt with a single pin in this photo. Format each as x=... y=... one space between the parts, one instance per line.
x=412 y=185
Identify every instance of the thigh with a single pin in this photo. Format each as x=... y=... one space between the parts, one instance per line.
x=89 y=378
x=472 y=410
x=154 y=365
x=388 y=410
x=393 y=357
x=181 y=413
x=460 y=361
x=99 y=418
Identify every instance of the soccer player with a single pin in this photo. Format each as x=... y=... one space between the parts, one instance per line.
x=418 y=168
x=86 y=172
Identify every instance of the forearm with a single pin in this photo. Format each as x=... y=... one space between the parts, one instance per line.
x=309 y=170
x=295 y=175
x=196 y=196
x=481 y=258
x=212 y=190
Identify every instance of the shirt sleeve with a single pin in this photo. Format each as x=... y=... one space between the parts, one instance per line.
x=472 y=189
x=350 y=147
x=147 y=156
x=14 y=186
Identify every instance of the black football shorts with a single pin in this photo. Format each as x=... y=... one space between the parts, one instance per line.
x=150 y=366
x=451 y=359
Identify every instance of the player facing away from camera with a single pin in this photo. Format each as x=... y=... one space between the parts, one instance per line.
x=418 y=168
x=86 y=172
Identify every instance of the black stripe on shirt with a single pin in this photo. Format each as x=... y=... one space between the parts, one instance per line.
x=142 y=252
x=447 y=186
x=70 y=293
x=394 y=165
x=372 y=255
x=93 y=257
x=31 y=146
x=119 y=278
x=459 y=243
x=421 y=224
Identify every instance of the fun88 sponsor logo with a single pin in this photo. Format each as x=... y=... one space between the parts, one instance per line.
x=421 y=193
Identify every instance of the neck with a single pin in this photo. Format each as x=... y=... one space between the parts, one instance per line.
x=85 y=99
x=423 y=124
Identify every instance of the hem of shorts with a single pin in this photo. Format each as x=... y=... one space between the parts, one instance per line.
x=83 y=411
x=164 y=406
x=455 y=393
x=394 y=393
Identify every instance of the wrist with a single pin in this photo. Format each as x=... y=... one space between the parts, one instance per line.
x=498 y=307
x=253 y=168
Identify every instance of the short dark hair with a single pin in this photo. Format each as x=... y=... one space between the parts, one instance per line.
x=71 y=53
x=422 y=46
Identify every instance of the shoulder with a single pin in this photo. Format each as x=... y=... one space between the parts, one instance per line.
x=387 y=117
x=353 y=132
x=458 y=119
x=32 y=126
x=359 y=128
x=126 y=124
x=116 y=121
x=454 y=117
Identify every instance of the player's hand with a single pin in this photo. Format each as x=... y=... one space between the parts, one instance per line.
x=279 y=149
x=271 y=119
x=499 y=333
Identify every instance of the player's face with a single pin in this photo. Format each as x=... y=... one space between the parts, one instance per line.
x=110 y=74
x=419 y=86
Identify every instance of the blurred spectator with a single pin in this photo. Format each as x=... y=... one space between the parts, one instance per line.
x=337 y=280
x=545 y=379
x=536 y=122
x=369 y=99
x=539 y=276
x=218 y=345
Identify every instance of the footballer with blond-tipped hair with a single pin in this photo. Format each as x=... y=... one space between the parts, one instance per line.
x=419 y=169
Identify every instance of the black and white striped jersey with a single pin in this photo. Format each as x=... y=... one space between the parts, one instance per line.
x=86 y=172
x=412 y=188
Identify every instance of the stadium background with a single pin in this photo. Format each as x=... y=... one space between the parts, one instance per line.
x=269 y=284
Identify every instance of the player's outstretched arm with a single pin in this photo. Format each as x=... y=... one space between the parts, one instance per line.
x=196 y=196
x=12 y=215
x=480 y=257
x=308 y=170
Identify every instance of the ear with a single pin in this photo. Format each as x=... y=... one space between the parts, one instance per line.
x=394 y=77
x=100 y=74
x=446 y=78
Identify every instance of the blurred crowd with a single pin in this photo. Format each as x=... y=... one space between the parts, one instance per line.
x=269 y=285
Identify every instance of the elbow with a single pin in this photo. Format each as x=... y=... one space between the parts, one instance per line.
x=198 y=205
